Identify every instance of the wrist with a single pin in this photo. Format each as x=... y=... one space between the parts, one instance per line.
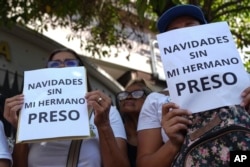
x=175 y=148
x=104 y=126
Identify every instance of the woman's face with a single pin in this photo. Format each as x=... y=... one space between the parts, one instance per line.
x=181 y=22
x=131 y=104
x=63 y=59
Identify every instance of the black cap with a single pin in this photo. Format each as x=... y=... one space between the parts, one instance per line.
x=177 y=11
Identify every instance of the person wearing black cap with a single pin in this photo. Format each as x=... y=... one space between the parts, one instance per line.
x=162 y=125
x=190 y=15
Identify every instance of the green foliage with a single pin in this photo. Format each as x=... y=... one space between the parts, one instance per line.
x=235 y=12
x=247 y=61
x=97 y=17
x=106 y=20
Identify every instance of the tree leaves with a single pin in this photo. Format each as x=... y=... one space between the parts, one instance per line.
x=99 y=23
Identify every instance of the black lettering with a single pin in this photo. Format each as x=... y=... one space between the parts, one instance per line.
x=80 y=82
x=211 y=41
x=32 y=117
x=195 y=44
x=204 y=82
x=225 y=39
x=219 y=39
x=29 y=105
x=31 y=86
x=176 y=48
x=61 y=82
x=226 y=80
x=54 y=82
x=50 y=92
x=192 y=55
x=44 y=84
x=63 y=116
x=183 y=46
x=53 y=115
x=74 y=113
x=43 y=116
x=68 y=81
x=180 y=87
x=203 y=42
x=173 y=73
x=214 y=79
x=167 y=50
x=192 y=84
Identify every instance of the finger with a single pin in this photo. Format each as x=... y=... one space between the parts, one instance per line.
x=176 y=113
x=14 y=111
x=92 y=93
x=245 y=92
x=176 y=128
x=96 y=96
x=245 y=97
x=12 y=107
x=167 y=107
x=97 y=100
x=178 y=120
x=16 y=102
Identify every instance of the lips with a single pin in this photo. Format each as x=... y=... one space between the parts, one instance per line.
x=129 y=103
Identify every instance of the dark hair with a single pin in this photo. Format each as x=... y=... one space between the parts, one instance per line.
x=141 y=83
x=54 y=52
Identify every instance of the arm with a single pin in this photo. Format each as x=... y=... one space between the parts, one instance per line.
x=151 y=151
x=113 y=150
x=12 y=108
x=4 y=163
x=20 y=155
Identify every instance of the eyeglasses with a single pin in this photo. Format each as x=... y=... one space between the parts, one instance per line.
x=66 y=62
x=136 y=94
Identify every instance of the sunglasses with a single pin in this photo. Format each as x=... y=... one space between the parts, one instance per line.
x=136 y=94
x=66 y=62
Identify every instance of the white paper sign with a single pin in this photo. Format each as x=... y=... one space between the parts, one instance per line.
x=202 y=66
x=54 y=105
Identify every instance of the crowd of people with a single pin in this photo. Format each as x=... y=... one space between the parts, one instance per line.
x=140 y=131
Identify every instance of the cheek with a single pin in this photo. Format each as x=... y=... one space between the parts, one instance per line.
x=140 y=104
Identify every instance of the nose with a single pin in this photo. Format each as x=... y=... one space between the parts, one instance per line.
x=61 y=65
x=129 y=96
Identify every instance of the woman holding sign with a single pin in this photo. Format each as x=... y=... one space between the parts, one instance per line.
x=107 y=148
x=165 y=130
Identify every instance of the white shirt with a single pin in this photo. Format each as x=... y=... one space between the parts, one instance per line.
x=151 y=113
x=54 y=154
x=4 y=148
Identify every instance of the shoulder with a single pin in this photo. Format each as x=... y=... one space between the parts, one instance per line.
x=113 y=112
x=116 y=123
x=155 y=98
x=155 y=95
